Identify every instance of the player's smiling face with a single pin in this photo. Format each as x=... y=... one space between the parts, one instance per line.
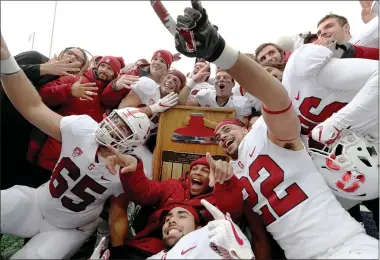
x=223 y=84
x=170 y=83
x=331 y=29
x=178 y=223
x=269 y=54
x=229 y=138
x=105 y=72
x=158 y=66
x=199 y=181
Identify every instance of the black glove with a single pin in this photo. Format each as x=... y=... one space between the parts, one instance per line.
x=196 y=36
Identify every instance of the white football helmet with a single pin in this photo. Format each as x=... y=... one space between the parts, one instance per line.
x=124 y=129
x=350 y=167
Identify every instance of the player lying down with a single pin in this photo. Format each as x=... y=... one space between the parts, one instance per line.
x=184 y=238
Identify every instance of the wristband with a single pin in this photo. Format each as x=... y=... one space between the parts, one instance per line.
x=153 y=108
x=9 y=66
x=227 y=59
x=191 y=84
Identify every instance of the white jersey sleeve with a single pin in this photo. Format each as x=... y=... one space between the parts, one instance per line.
x=145 y=87
x=242 y=106
x=206 y=98
x=310 y=59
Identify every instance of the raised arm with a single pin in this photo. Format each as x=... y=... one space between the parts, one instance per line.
x=24 y=96
x=277 y=108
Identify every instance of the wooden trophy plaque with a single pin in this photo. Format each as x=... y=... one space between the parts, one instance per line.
x=185 y=134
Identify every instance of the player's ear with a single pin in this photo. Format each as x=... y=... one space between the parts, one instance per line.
x=346 y=27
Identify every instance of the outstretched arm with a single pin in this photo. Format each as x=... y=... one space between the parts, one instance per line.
x=197 y=37
x=24 y=96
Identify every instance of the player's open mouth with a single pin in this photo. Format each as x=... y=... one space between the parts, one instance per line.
x=173 y=231
x=228 y=143
x=196 y=182
x=221 y=86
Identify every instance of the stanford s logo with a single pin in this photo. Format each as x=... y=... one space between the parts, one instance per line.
x=77 y=151
x=350 y=181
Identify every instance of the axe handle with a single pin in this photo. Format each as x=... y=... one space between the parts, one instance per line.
x=207 y=123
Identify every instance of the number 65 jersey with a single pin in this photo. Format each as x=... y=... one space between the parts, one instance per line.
x=80 y=183
x=295 y=203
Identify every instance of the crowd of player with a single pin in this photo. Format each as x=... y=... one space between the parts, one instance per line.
x=303 y=148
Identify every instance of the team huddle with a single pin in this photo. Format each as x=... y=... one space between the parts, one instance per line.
x=316 y=141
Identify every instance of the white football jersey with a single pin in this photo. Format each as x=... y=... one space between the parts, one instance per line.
x=256 y=103
x=294 y=201
x=207 y=98
x=313 y=102
x=149 y=93
x=80 y=183
x=195 y=245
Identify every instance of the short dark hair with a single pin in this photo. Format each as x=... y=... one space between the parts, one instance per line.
x=341 y=19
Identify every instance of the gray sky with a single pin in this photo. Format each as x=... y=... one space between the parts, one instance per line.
x=132 y=30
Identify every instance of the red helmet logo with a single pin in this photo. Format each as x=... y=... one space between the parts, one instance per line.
x=350 y=181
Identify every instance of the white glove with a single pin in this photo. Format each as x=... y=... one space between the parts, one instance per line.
x=226 y=238
x=97 y=254
x=327 y=132
x=165 y=103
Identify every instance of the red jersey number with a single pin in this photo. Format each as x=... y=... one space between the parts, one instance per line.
x=294 y=195
x=309 y=120
x=58 y=186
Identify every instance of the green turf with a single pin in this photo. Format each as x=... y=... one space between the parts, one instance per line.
x=10 y=245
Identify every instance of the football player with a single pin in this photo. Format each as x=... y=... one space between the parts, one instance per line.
x=280 y=180
x=62 y=213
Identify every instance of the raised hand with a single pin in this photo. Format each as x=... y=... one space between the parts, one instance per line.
x=367 y=14
x=126 y=81
x=201 y=75
x=226 y=238
x=165 y=103
x=220 y=171
x=97 y=254
x=196 y=36
x=60 y=67
x=83 y=90
x=127 y=163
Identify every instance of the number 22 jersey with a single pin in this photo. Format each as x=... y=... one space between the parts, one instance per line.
x=295 y=203
x=80 y=183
